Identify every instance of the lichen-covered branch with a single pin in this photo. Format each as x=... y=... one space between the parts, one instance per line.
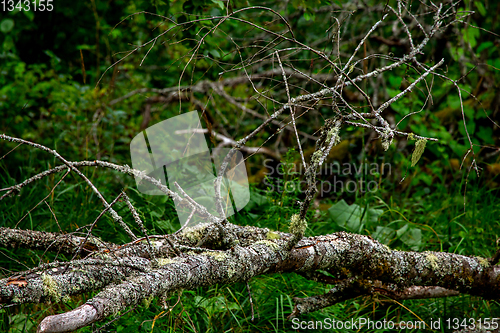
x=329 y=137
x=39 y=240
x=354 y=287
x=355 y=258
x=59 y=280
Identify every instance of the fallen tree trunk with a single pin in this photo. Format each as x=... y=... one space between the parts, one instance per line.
x=361 y=265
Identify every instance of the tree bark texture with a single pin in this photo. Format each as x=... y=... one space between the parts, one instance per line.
x=126 y=275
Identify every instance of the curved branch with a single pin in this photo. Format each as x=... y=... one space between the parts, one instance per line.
x=339 y=253
x=40 y=240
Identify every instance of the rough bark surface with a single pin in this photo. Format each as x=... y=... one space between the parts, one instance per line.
x=126 y=275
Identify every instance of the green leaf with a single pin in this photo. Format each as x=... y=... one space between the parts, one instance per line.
x=392 y=92
x=484 y=46
x=402 y=231
x=412 y=238
x=470 y=35
x=157 y=213
x=6 y=25
x=480 y=8
x=384 y=234
x=161 y=7
x=353 y=217
x=86 y=46
x=486 y=135
x=215 y=53
x=457 y=148
x=8 y=43
x=219 y=3
x=456 y=52
x=400 y=108
x=163 y=224
x=215 y=304
x=29 y=14
x=395 y=81
x=471 y=128
x=21 y=323
x=419 y=150
x=52 y=55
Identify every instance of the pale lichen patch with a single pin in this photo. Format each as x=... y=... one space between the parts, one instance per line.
x=219 y=256
x=51 y=287
x=196 y=232
x=433 y=261
x=164 y=261
x=231 y=269
x=483 y=262
x=147 y=301
x=333 y=134
x=297 y=226
x=273 y=235
x=386 y=139
x=316 y=156
x=230 y=272
x=387 y=248
x=268 y=243
x=156 y=244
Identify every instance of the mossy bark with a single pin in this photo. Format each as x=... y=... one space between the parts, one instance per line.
x=126 y=276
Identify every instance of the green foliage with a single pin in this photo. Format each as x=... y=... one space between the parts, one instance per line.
x=353 y=217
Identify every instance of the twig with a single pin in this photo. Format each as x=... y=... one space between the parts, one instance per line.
x=228 y=141
x=115 y=216
x=251 y=301
x=408 y=89
x=43 y=200
x=138 y=220
x=91 y=227
x=292 y=110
